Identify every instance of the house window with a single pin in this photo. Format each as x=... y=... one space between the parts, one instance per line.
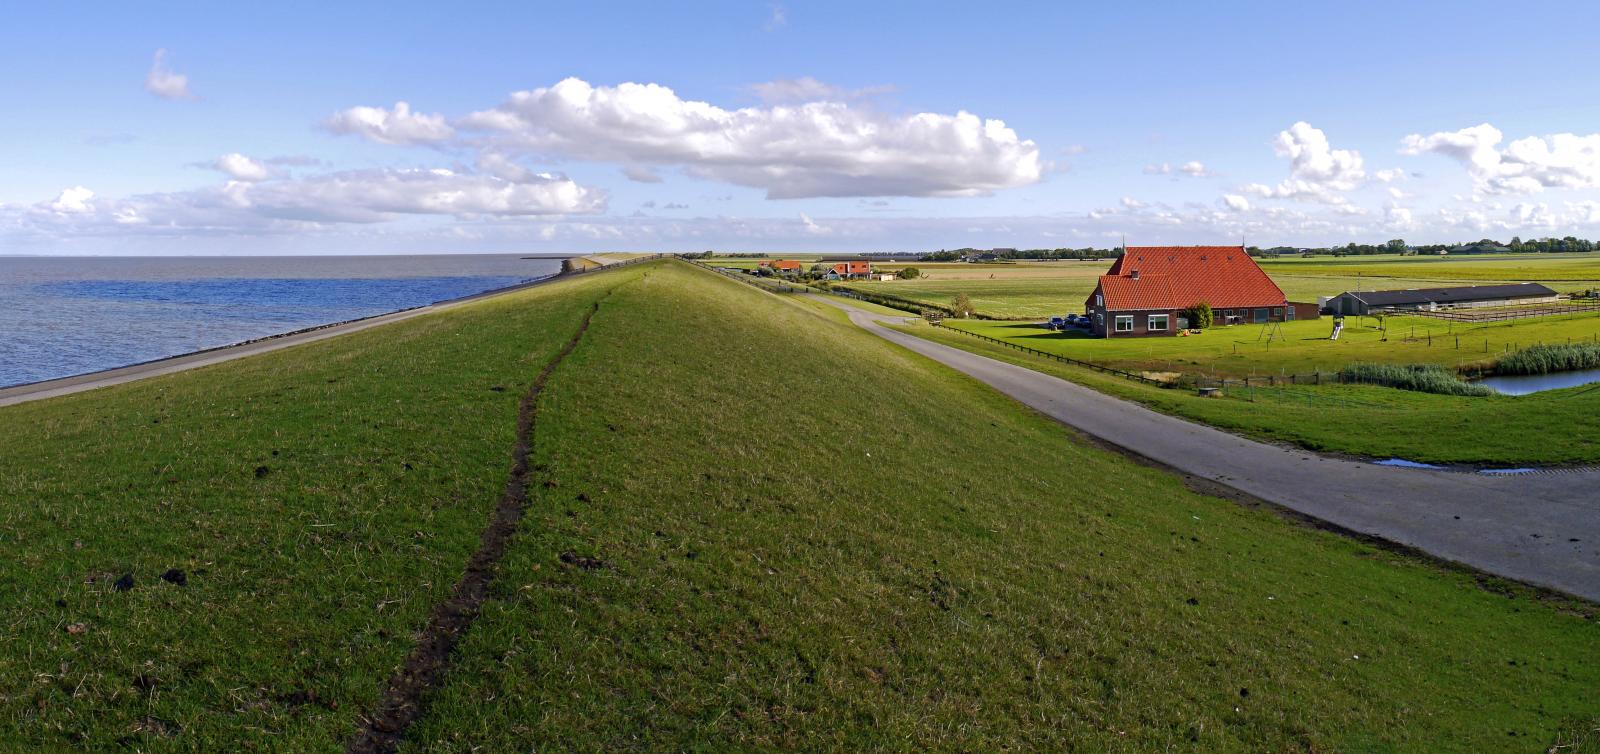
x=1100 y=320
x=1099 y=300
x=1261 y=314
x=1288 y=314
x=1277 y=311
x=1125 y=323
x=1158 y=322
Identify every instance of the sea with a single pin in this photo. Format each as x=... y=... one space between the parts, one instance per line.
x=63 y=316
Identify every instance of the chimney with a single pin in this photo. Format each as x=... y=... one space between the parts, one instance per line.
x=1134 y=274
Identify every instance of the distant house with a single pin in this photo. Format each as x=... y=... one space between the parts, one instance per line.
x=1468 y=296
x=886 y=276
x=783 y=266
x=847 y=268
x=1148 y=288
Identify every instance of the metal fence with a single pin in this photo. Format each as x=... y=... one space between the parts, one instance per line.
x=1496 y=314
x=1058 y=357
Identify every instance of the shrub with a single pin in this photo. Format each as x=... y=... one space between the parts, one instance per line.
x=961 y=306
x=910 y=273
x=1547 y=359
x=1199 y=315
x=1423 y=378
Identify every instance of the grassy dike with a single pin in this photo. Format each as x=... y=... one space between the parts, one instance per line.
x=763 y=528
x=1555 y=427
x=319 y=500
x=752 y=526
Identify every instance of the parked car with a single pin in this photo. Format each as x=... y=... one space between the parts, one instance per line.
x=1055 y=323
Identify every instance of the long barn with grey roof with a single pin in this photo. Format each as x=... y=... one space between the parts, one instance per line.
x=1364 y=302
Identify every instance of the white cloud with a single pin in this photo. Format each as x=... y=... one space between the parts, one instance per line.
x=399 y=126
x=286 y=204
x=812 y=227
x=1390 y=175
x=1524 y=166
x=1132 y=203
x=1317 y=171
x=163 y=82
x=1163 y=168
x=74 y=200
x=1236 y=203
x=811 y=150
x=1196 y=169
x=241 y=168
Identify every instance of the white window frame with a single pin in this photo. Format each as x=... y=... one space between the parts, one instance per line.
x=1099 y=299
x=1121 y=318
x=1166 y=323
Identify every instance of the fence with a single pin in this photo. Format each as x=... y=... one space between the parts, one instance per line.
x=765 y=284
x=569 y=269
x=1058 y=357
x=1495 y=314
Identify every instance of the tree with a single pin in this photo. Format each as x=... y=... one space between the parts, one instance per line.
x=910 y=273
x=961 y=306
x=1396 y=246
x=1199 y=315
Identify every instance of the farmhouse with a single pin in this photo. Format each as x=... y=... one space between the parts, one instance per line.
x=1469 y=296
x=847 y=268
x=1148 y=288
x=781 y=266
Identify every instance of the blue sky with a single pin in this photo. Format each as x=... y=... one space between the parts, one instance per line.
x=791 y=126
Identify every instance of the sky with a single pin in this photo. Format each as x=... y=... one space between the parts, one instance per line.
x=321 y=128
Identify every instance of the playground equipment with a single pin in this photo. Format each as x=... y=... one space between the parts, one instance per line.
x=1338 y=327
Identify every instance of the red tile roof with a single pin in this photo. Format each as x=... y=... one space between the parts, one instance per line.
x=785 y=264
x=1177 y=277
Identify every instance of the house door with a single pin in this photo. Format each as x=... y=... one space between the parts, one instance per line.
x=1261 y=315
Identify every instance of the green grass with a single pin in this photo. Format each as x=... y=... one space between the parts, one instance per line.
x=383 y=452
x=812 y=540
x=1304 y=347
x=1548 y=428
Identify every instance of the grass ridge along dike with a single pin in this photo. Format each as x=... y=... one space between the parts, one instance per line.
x=385 y=728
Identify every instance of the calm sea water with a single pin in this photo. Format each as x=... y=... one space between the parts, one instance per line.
x=66 y=316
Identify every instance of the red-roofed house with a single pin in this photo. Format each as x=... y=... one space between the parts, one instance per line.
x=781 y=266
x=1148 y=286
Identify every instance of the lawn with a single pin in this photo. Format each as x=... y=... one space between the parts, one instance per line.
x=1558 y=427
x=753 y=527
x=1042 y=289
x=1301 y=347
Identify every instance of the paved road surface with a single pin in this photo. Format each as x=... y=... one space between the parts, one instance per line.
x=1539 y=528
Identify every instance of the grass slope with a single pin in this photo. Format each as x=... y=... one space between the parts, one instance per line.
x=762 y=528
x=1549 y=428
x=319 y=499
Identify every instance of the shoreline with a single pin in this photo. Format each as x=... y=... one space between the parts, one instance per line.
x=77 y=383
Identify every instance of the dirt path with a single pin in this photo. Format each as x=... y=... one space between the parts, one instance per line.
x=385 y=727
x=1543 y=528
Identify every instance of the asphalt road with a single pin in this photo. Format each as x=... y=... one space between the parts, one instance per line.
x=1541 y=528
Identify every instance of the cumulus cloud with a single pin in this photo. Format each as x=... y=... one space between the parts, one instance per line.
x=814 y=149
x=1317 y=171
x=1192 y=168
x=399 y=126
x=1162 y=168
x=241 y=168
x=165 y=83
x=1132 y=203
x=279 y=204
x=1524 y=166
x=74 y=200
x=1236 y=203
x=1195 y=168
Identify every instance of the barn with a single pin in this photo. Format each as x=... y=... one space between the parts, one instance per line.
x=1459 y=297
x=1149 y=287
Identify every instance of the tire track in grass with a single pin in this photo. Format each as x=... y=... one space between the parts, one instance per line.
x=385 y=727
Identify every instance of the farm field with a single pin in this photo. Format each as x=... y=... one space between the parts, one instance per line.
x=1557 y=427
x=1043 y=289
x=1301 y=347
x=683 y=578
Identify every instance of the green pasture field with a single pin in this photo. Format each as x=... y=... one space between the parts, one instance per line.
x=1301 y=347
x=1552 y=428
x=902 y=560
